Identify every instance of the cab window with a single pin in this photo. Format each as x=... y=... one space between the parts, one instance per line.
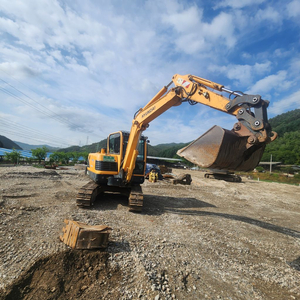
x=141 y=150
x=114 y=143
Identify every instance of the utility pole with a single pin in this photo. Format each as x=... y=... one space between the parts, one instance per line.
x=271 y=164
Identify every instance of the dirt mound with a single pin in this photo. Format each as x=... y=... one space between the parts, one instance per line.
x=67 y=275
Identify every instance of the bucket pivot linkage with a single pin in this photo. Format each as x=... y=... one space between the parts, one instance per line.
x=239 y=149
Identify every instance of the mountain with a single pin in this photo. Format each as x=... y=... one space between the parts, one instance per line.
x=87 y=148
x=166 y=150
x=30 y=147
x=8 y=144
x=286 y=122
x=286 y=148
x=161 y=150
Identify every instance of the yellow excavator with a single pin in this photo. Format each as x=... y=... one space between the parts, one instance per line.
x=121 y=166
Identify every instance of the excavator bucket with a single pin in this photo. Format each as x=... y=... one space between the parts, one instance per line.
x=78 y=235
x=223 y=149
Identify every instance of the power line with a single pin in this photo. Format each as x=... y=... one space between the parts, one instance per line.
x=44 y=110
x=22 y=100
x=18 y=129
x=9 y=90
x=22 y=128
x=31 y=137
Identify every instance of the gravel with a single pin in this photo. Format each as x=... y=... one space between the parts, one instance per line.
x=210 y=240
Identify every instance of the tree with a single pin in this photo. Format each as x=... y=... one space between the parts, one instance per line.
x=75 y=155
x=39 y=153
x=84 y=155
x=28 y=160
x=61 y=157
x=285 y=149
x=65 y=157
x=14 y=156
x=54 y=157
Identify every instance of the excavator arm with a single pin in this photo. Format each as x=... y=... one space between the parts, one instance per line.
x=247 y=139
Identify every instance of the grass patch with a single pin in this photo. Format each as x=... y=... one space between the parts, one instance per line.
x=275 y=177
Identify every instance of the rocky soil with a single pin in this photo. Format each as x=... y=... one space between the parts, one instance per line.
x=210 y=240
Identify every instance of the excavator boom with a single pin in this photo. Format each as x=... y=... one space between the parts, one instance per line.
x=239 y=149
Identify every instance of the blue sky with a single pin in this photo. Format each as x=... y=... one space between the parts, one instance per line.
x=71 y=72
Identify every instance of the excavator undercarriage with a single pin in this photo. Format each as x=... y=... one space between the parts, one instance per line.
x=88 y=194
x=226 y=176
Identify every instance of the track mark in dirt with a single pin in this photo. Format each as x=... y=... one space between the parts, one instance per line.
x=295 y=264
x=20 y=196
x=66 y=275
x=51 y=174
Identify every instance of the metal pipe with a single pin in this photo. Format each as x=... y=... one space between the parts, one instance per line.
x=167 y=86
x=231 y=92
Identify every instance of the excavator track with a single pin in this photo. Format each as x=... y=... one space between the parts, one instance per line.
x=226 y=177
x=135 y=199
x=87 y=194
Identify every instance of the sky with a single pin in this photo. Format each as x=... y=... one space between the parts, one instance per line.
x=72 y=72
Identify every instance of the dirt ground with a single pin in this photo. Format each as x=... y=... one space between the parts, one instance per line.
x=210 y=240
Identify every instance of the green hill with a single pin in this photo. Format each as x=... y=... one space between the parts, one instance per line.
x=87 y=148
x=286 y=148
x=286 y=122
x=161 y=150
x=8 y=144
x=29 y=147
x=166 y=150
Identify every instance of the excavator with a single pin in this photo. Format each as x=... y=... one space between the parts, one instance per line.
x=120 y=168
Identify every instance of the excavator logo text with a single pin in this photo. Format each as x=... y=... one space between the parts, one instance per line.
x=148 y=112
x=183 y=82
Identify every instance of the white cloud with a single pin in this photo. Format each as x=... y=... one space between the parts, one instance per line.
x=289 y=103
x=243 y=74
x=271 y=82
x=185 y=21
x=293 y=8
x=57 y=55
x=238 y=3
x=192 y=35
x=268 y=14
x=295 y=67
x=20 y=71
x=99 y=61
x=221 y=29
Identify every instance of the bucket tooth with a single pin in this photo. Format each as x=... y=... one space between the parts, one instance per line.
x=223 y=149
